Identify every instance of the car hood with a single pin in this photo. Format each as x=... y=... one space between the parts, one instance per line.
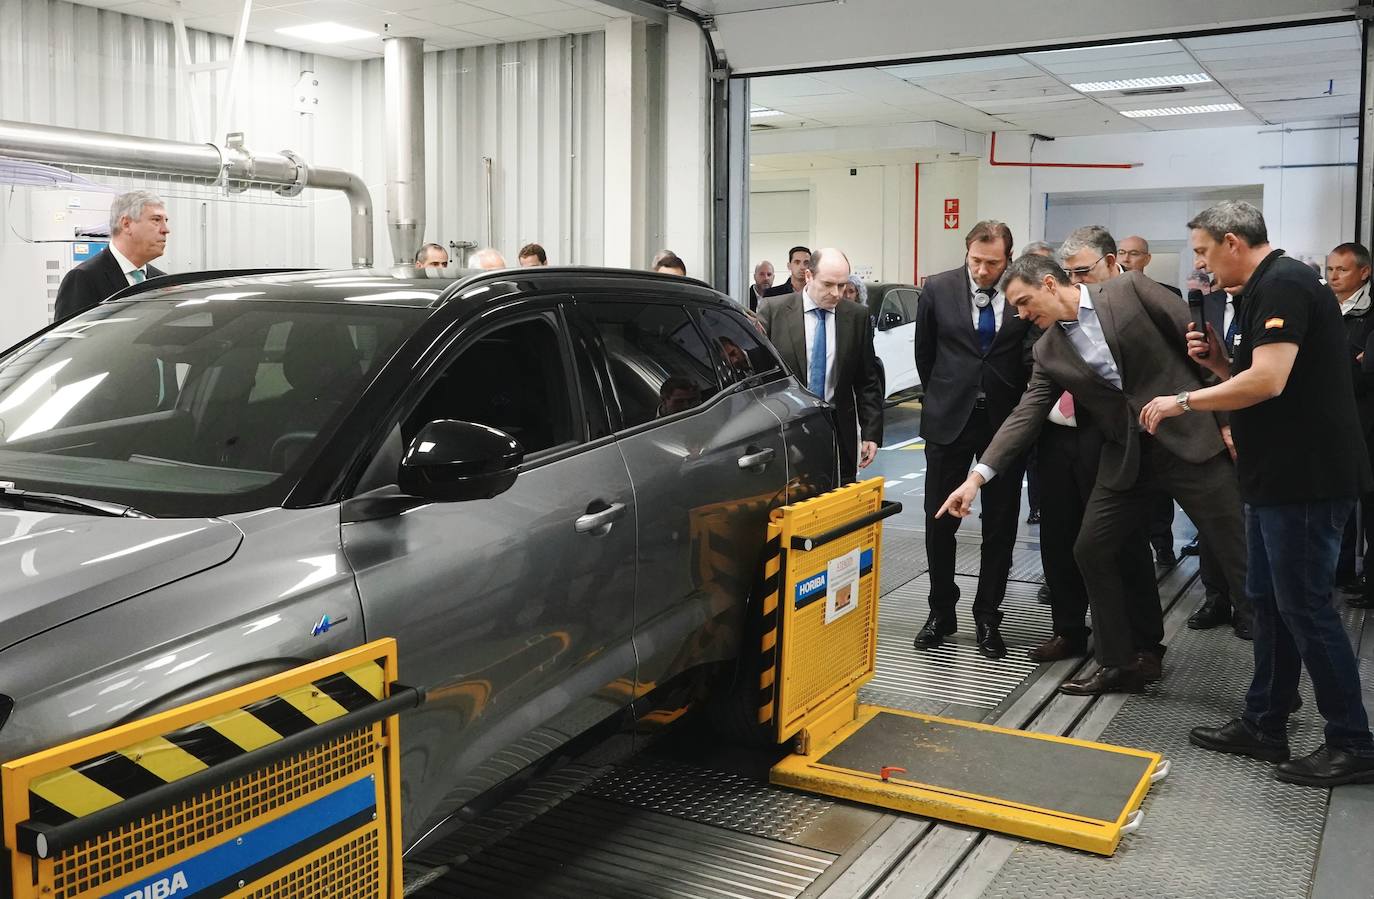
x=58 y=567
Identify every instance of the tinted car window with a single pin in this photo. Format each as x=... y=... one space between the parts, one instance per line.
x=901 y=303
x=187 y=408
x=512 y=378
x=659 y=362
x=740 y=352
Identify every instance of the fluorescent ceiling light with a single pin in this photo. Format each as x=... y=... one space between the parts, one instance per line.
x=1180 y=110
x=1127 y=84
x=760 y=112
x=326 y=32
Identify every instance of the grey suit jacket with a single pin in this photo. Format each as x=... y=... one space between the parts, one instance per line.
x=858 y=398
x=1143 y=324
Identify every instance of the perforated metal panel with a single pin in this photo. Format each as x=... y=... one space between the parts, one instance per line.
x=342 y=872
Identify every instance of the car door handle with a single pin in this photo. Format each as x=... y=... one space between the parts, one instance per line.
x=756 y=458
x=598 y=524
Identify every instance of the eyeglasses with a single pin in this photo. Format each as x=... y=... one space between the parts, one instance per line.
x=1083 y=269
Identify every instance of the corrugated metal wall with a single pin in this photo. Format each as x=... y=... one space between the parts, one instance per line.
x=77 y=66
x=535 y=109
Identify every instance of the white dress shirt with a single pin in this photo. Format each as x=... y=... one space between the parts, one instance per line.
x=1085 y=335
x=127 y=267
x=1358 y=301
x=999 y=302
x=810 y=320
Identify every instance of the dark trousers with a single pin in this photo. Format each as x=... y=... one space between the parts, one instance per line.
x=1162 y=523
x=1033 y=479
x=1068 y=470
x=1213 y=580
x=1208 y=493
x=1355 y=540
x=947 y=465
x=1293 y=550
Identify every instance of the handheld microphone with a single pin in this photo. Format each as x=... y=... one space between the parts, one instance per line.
x=1199 y=319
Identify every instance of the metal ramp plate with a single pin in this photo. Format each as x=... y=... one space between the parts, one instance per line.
x=1054 y=789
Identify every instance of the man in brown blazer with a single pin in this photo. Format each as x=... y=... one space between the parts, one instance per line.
x=1115 y=346
x=837 y=363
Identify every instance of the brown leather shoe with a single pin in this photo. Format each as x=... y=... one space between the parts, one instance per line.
x=1150 y=665
x=1056 y=648
x=1105 y=680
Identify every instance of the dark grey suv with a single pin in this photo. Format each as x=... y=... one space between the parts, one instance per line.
x=549 y=485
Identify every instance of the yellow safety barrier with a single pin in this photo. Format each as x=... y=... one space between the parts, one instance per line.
x=286 y=787
x=819 y=646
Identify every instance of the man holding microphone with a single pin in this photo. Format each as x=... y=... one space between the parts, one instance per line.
x=1301 y=462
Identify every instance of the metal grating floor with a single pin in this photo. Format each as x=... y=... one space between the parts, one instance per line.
x=1219 y=825
x=955 y=672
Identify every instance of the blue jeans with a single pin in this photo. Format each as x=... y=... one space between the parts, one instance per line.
x=1290 y=577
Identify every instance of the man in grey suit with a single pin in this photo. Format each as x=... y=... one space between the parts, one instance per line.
x=1115 y=346
x=828 y=345
x=138 y=235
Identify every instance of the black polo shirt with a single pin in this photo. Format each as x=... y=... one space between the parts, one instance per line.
x=1305 y=444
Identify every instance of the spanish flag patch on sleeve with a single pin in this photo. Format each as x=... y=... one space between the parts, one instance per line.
x=1275 y=322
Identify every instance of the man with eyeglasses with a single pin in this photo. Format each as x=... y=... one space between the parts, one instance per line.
x=1134 y=256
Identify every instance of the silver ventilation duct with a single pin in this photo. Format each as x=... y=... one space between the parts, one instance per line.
x=403 y=74
x=233 y=166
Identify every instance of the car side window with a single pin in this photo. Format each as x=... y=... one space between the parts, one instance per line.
x=739 y=352
x=900 y=303
x=512 y=378
x=660 y=364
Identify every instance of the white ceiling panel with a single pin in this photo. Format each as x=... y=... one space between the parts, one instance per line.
x=1296 y=74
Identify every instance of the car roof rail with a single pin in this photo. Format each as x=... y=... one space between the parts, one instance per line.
x=177 y=279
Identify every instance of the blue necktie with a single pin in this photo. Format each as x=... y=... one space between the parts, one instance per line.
x=138 y=275
x=815 y=378
x=987 y=323
x=1231 y=333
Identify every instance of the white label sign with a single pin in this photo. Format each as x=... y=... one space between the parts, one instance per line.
x=842 y=586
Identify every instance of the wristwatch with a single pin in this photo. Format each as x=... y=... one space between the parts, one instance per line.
x=1182 y=400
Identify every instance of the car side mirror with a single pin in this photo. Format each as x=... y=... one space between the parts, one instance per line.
x=451 y=461
x=890 y=320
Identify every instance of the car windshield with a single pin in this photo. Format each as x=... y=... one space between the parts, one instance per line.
x=187 y=408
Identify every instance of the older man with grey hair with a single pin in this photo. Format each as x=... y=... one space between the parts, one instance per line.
x=138 y=235
x=1039 y=248
x=488 y=259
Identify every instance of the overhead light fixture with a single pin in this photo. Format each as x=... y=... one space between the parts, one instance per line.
x=326 y=32
x=762 y=112
x=1181 y=110
x=1126 y=84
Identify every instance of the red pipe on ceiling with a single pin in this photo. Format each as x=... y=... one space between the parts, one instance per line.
x=992 y=160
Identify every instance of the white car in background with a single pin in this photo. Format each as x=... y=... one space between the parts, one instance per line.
x=892 y=307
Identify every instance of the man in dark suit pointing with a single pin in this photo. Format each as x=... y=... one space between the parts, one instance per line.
x=829 y=347
x=138 y=235
x=1116 y=346
x=973 y=358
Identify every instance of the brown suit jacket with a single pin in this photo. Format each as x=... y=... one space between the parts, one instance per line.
x=1143 y=323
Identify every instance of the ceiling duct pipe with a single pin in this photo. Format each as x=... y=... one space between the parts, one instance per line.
x=233 y=166
x=404 y=78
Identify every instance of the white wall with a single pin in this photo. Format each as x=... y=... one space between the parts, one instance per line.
x=1308 y=210
x=867 y=215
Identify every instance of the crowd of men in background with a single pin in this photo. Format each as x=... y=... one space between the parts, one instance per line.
x=1248 y=402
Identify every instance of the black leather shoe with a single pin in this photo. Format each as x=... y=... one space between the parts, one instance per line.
x=934 y=632
x=1105 y=680
x=1056 y=648
x=1033 y=517
x=1042 y=595
x=1243 y=627
x=1151 y=666
x=1212 y=613
x=990 y=643
x=1189 y=548
x=1360 y=601
x=1166 y=558
x=1327 y=767
x=1234 y=737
